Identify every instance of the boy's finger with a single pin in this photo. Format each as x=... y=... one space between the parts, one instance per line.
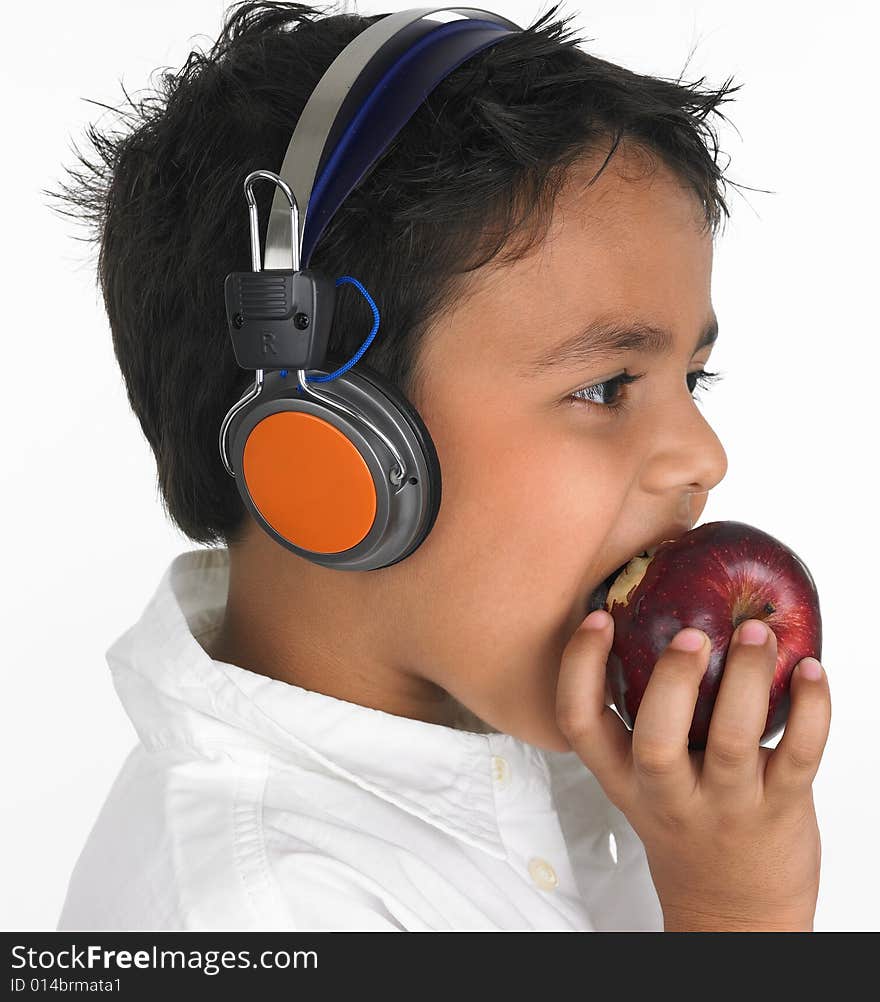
x=794 y=763
x=730 y=762
x=660 y=735
x=596 y=733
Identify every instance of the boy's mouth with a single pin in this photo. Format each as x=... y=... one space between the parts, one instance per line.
x=600 y=593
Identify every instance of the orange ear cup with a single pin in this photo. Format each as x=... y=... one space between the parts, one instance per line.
x=309 y=482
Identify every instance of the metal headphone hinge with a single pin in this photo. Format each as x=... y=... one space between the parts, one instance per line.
x=281 y=319
x=278 y=318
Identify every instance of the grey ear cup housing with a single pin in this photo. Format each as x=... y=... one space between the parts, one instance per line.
x=404 y=515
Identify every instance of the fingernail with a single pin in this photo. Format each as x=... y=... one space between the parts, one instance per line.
x=689 y=639
x=752 y=631
x=597 y=620
x=811 y=669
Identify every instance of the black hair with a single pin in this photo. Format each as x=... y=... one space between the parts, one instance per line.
x=471 y=177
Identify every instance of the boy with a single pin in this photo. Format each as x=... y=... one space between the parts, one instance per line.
x=428 y=746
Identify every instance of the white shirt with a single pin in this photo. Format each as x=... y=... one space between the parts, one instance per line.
x=252 y=804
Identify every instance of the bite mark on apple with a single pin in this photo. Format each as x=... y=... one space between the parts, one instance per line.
x=628 y=578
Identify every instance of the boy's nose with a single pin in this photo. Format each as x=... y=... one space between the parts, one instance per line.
x=688 y=456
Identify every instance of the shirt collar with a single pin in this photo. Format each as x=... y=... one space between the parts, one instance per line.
x=172 y=691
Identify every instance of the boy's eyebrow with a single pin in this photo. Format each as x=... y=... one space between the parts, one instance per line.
x=604 y=337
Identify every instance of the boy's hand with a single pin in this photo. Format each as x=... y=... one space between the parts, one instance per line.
x=730 y=832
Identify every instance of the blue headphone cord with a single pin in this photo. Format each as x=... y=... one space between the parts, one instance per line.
x=357 y=356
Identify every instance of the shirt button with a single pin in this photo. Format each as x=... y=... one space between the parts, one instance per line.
x=543 y=874
x=500 y=770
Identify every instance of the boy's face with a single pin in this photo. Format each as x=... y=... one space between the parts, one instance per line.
x=542 y=496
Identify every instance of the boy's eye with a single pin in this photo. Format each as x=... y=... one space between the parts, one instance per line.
x=596 y=395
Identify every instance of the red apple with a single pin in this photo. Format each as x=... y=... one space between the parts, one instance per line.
x=713 y=577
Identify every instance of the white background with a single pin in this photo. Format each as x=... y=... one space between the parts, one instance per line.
x=794 y=289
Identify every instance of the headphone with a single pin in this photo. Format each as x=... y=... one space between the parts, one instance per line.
x=347 y=478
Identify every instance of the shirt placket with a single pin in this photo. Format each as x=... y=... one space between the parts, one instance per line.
x=529 y=825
